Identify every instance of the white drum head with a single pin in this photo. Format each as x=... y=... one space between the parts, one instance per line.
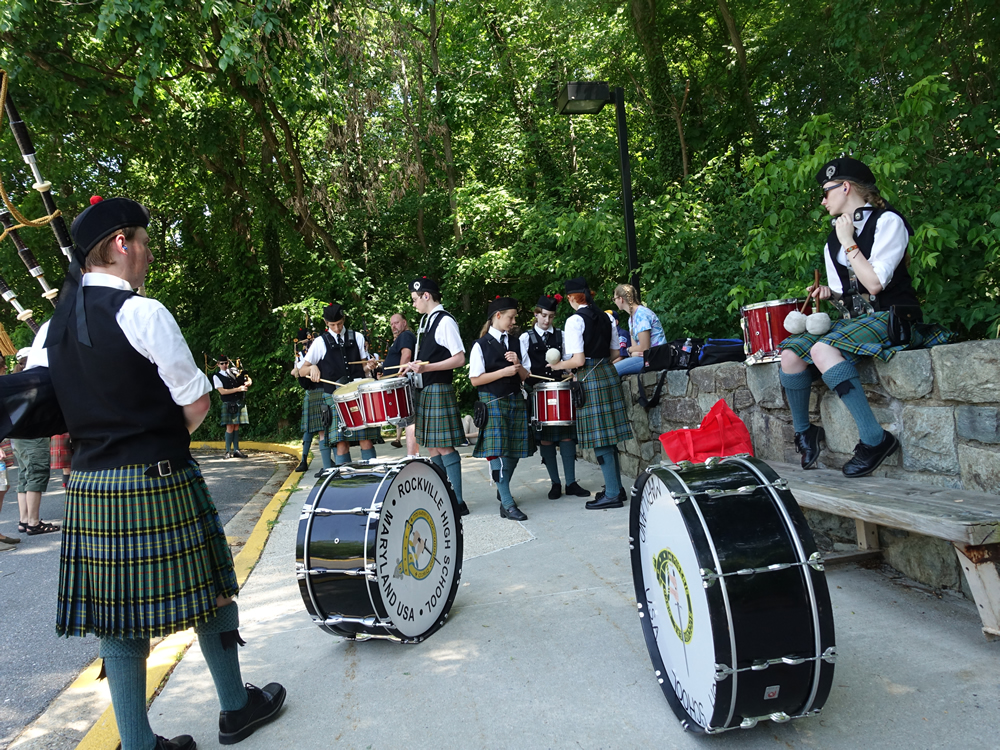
x=418 y=553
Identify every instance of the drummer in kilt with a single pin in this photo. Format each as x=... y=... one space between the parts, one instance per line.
x=144 y=553
x=496 y=370
x=867 y=268
x=312 y=407
x=232 y=385
x=601 y=422
x=437 y=419
x=535 y=343
x=327 y=359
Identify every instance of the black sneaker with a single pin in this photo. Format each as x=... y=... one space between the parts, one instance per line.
x=263 y=705
x=867 y=458
x=807 y=443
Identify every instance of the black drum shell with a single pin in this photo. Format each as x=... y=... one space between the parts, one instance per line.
x=772 y=614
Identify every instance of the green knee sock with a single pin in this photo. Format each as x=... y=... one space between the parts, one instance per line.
x=843 y=379
x=798 y=387
x=567 y=449
x=453 y=467
x=549 y=459
x=221 y=656
x=125 y=667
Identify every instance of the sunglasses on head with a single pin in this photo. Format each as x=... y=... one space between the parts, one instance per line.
x=832 y=187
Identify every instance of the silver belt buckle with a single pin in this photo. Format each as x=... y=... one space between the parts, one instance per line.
x=163 y=468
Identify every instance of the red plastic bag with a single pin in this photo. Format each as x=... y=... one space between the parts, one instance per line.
x=721 y=433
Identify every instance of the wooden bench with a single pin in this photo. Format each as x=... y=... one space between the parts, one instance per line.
x=969 y=520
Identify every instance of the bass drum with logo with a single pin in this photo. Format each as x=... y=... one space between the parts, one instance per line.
x=732 y=594
x=379 y=550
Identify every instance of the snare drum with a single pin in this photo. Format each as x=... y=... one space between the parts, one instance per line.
x=553 y=404
x=386 y=401
x=347 y=399
x=732 y=595
x=379 y=550
x=764 y=329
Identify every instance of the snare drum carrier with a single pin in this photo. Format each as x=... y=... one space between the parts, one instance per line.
x=732 y=595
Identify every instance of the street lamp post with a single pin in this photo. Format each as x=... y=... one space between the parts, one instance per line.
x=588 y=98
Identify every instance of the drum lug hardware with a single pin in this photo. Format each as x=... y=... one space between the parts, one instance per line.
x=816 y=561
x=760 y=665
x=830 y=655
x=371 y=512
x=780 y=717
x=722 y=672
x=679 y=497
x=793 y=660
x=748 y=723
x=708 y=576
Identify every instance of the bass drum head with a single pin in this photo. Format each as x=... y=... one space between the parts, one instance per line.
x=418 y=554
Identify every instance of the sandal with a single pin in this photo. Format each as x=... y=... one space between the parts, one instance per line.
x=22 y=527
x=41 y=528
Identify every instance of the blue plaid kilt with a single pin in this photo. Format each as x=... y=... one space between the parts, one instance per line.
x=867 y=336
x=141 y=557
x=337 y=434
x=438 y=422
x=227 y=417
x=506 y=432
x=602 y=420
x=312 y=411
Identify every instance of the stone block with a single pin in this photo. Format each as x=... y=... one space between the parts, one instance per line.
x=730 y=375
x=908 y=375
x=678 y=382
x=928 y=439
x=652 y=452
x=980 y=469
x=655 y=422
x=630 y=447
x=842 y=433
x=838 y=529
x=630 y=469
x=681 y=411
x=630 y=389
x=640 y=423
x=771 y=435
x=648 y=379
x=703 y=378
x=762 y=380
x=866 y=371
x=979 y=423
x=968 y=371
x=707 y=400
x=926 y=559
x=742 y=399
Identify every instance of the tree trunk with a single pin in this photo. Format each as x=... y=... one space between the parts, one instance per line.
x=741 y=60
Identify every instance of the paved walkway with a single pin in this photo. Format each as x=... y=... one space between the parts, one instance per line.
x=544 y=649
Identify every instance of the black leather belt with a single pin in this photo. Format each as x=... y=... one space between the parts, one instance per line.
x=160 y=469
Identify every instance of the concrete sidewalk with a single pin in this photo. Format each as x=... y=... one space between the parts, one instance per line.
x=544 y=649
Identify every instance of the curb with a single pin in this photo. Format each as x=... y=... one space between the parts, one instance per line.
x=162 y=660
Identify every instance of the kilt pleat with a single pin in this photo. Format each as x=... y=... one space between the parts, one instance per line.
x=141 y=557
x=312 y=411
x=438 y=421
x=867 y=336
x=602 y=420
x=506 y=432
x=60 y=455
x=226 y=418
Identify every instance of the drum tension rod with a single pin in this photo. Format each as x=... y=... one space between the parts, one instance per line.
x=744 y=491
x=368 y=572
x=373 y=511
x=723 y=671
x=368 y=622
x=709 y=576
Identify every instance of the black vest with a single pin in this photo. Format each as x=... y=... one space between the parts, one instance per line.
x=899 y=291
x=596 y=333
x=334 y=365
x=230 y=382
x=117 y=408
x=537 y=349
x=493 y=360
x=431 y=351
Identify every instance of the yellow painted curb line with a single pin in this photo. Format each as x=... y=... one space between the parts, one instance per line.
x=104 y=734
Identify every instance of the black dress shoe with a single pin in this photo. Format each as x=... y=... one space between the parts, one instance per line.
x=180 y=742
x=303 y=465
x=262 y=706
x=576 y=490
x=599 y=503
x=807 y=443
x=463 y=509
x=556 y=492
x=513 y=513
x=867 y=458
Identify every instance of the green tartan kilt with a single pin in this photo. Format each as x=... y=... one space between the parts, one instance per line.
x=602 y=420
x=141 y=557
x=312 y=411
x=233 y=417
x=866 y=337
x=438 y=423
x=338 y=434
x=506 y=432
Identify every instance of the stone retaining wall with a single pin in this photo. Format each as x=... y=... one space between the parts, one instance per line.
x=942 y=403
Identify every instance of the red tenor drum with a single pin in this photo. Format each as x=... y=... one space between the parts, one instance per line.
x=553 y=404
x=348 y=402
x=386 y=401
x=764 y=329
x=379 y=550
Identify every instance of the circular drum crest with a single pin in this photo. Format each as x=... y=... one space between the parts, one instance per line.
x=380 y=550
x=731 y=593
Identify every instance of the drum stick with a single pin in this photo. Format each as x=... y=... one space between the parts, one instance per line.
x=542 y=377
x=331 y=382
x=809 y=297
x=396 y=367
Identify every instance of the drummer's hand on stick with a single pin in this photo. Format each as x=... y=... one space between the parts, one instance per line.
x=314 y=374
x=820 y=292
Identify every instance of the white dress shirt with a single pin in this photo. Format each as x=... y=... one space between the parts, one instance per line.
x=525 y=357
x=446 y=334
x=317 y=350
x=888 y=247
x=153 y=332
x=477 y=365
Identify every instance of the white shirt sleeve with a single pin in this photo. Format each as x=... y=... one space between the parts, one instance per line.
x=525 y=358
x=216 y=382
x=448 y=336
x=361 y=345
x=573 y=336
x=39 y=355
x=317 y=350
x=477 y=366
x=888 y=247
x=832 y=278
